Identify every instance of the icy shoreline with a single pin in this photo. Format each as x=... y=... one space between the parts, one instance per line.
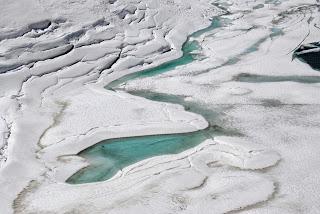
x=49 y=86
x=53 y=105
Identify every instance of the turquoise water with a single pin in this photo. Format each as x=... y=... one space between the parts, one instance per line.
x=274 y=32
x=213 y=114
x=188 y=56
x=109 y=156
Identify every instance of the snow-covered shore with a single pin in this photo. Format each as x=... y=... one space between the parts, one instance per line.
x=271 y=98
x=55 y=61
x=52 y=56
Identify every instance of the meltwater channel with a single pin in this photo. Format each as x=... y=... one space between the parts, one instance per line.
x=107 y=157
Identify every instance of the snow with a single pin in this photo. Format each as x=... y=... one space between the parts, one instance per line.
x=56 y=57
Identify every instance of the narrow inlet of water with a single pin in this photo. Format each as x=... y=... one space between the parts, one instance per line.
x=188 y=56
x=109 y=156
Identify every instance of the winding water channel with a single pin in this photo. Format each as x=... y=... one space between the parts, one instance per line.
x=107 y=157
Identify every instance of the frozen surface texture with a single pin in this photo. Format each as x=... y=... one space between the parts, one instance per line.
x=56 y=57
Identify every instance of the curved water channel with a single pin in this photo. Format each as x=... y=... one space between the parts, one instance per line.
x=108 y=157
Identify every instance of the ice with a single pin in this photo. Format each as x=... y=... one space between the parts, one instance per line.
x=56 y=57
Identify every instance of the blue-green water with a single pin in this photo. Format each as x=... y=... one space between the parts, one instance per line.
x=212 y=114
x=188 y=56
x=274 y=32
x=109 y=156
